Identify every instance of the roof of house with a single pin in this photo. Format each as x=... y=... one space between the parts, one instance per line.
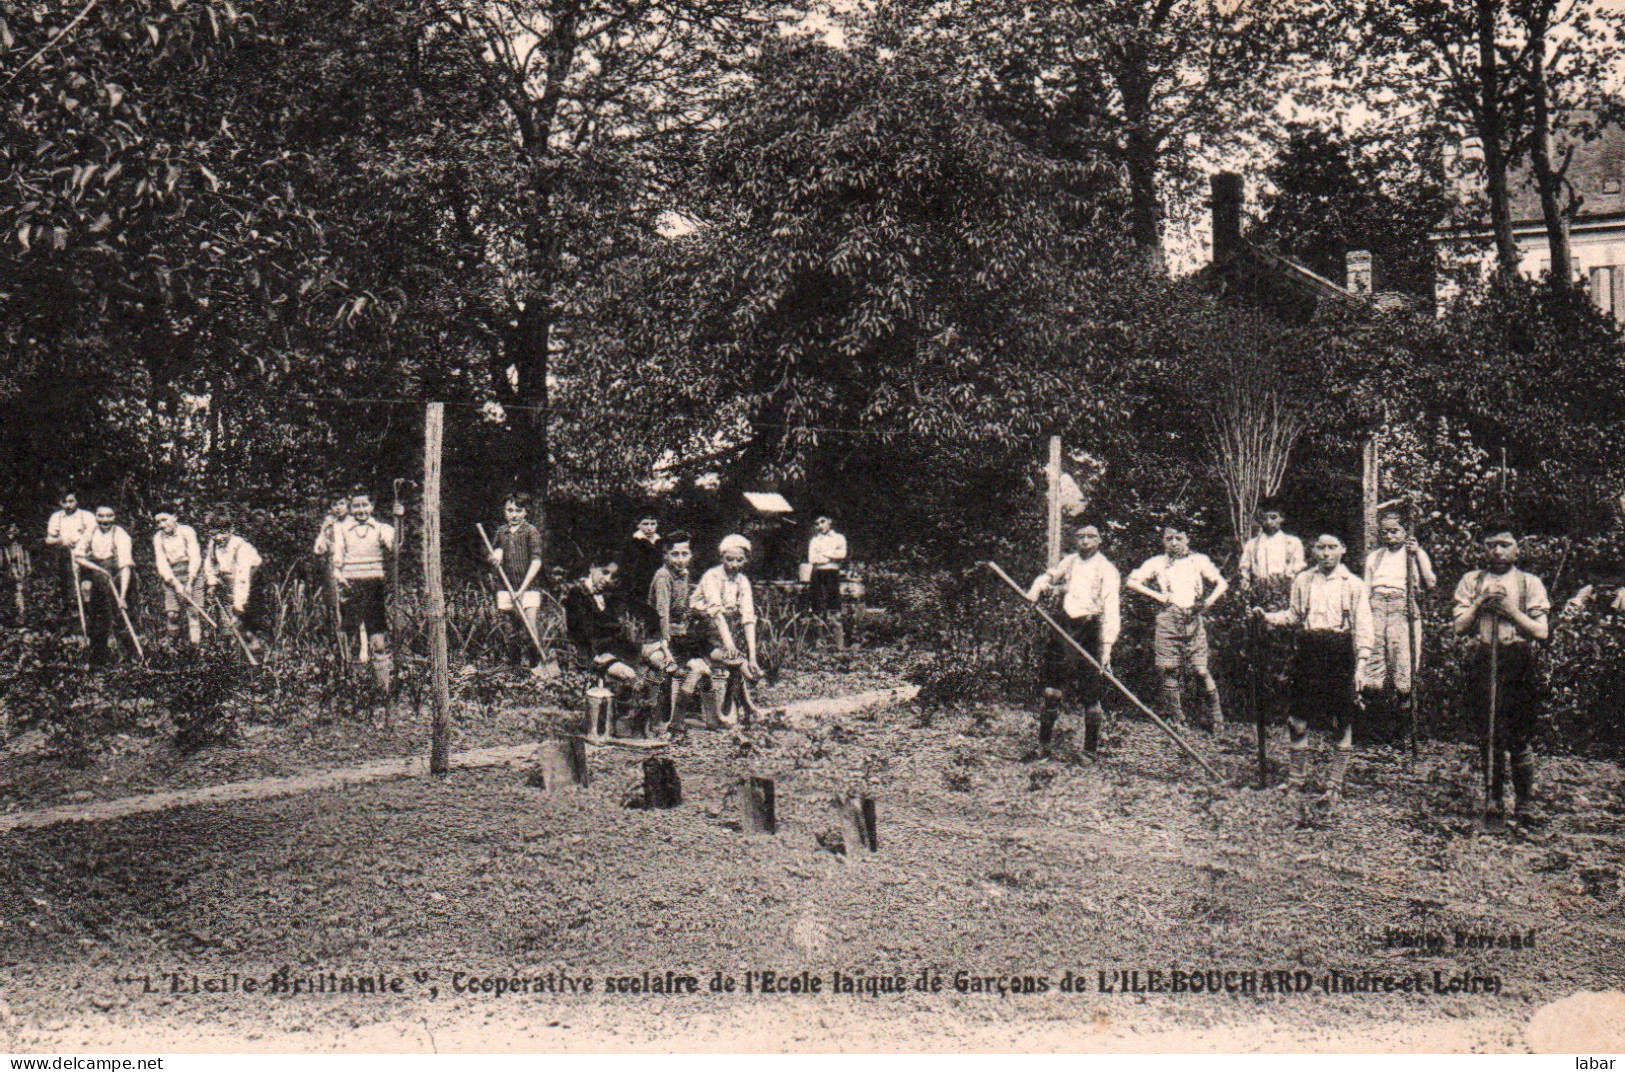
x=1597 y=172
x=1258 y=267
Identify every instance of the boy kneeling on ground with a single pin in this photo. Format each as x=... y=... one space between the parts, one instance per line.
x=592 y=620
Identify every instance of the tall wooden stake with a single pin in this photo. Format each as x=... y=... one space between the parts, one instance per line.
x=1052 y=546
x=434 y=592
x=1369 y=496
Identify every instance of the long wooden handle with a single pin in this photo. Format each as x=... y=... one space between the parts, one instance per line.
x=1105 y=673
x=1495 y=686
x=530 y=631
x=232 y=625
x=1413 y=643
x=78 y=596
x=184 y=594
x=123 y=611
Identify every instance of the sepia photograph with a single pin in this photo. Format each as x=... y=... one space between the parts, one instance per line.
x=821 y=526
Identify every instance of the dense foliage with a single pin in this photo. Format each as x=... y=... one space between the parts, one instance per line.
x=661 y=252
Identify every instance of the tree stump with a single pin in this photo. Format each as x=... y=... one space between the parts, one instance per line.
x=662 y=788
x=561 y=762
x=758 y=804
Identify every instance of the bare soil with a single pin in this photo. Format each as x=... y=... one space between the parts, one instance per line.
x=993 y=862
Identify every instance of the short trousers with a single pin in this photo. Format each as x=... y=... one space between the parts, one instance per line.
x=529 y=599
x=1518 y=693
x=1180 y=640
x=825 y=590
x=1064 y=667
x=1323 y=678
x=364 y=604
x=685 y=647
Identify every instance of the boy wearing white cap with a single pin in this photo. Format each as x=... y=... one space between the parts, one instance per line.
x=723 y=598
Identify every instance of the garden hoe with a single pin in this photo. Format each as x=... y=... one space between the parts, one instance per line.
x=548 y=668
x=123 y=610
x=1107 y=674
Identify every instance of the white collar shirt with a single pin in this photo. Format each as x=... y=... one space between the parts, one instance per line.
x=1180 y=579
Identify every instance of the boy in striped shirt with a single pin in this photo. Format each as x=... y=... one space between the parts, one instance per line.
x=361 y=550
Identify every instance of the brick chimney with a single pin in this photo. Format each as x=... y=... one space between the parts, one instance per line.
x=1228 y=195
x=1357 y=271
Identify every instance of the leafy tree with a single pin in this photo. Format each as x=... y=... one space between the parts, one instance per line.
x=1154 y=86
x=213 y=217
x=1515 y=73
x=600 y=99
x=877 y=278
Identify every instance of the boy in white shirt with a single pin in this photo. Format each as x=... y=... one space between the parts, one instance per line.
x=1273 y=556
x=1332 y=616
x=62 y=534
x=1181 y=578
x=106 y=567
x=179 y=561
x=826 y=554
x=1507 y=610
x=1397 y=574
x=1091 y=614
x=232 y=562
x=1269 y=562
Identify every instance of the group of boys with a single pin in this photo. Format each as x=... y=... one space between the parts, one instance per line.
x=643 y=610
x=1347 y=642
x=94 y=564
x=637 y=610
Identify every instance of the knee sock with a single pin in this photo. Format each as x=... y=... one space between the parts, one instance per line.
x=1298 y=756
x=1340 y=767
x=1215 y=712
x=1173 y=696
x=1523 y=776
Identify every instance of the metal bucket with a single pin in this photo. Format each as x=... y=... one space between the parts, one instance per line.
x=804 y=572
x=600 y=709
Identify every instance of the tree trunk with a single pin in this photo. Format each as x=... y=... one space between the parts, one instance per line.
x=1492 y=131
x=530 y=344
x=1140 y=150
x=1548 y=178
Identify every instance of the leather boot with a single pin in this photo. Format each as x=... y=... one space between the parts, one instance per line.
x=1523 y=786
x=1047 y=713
